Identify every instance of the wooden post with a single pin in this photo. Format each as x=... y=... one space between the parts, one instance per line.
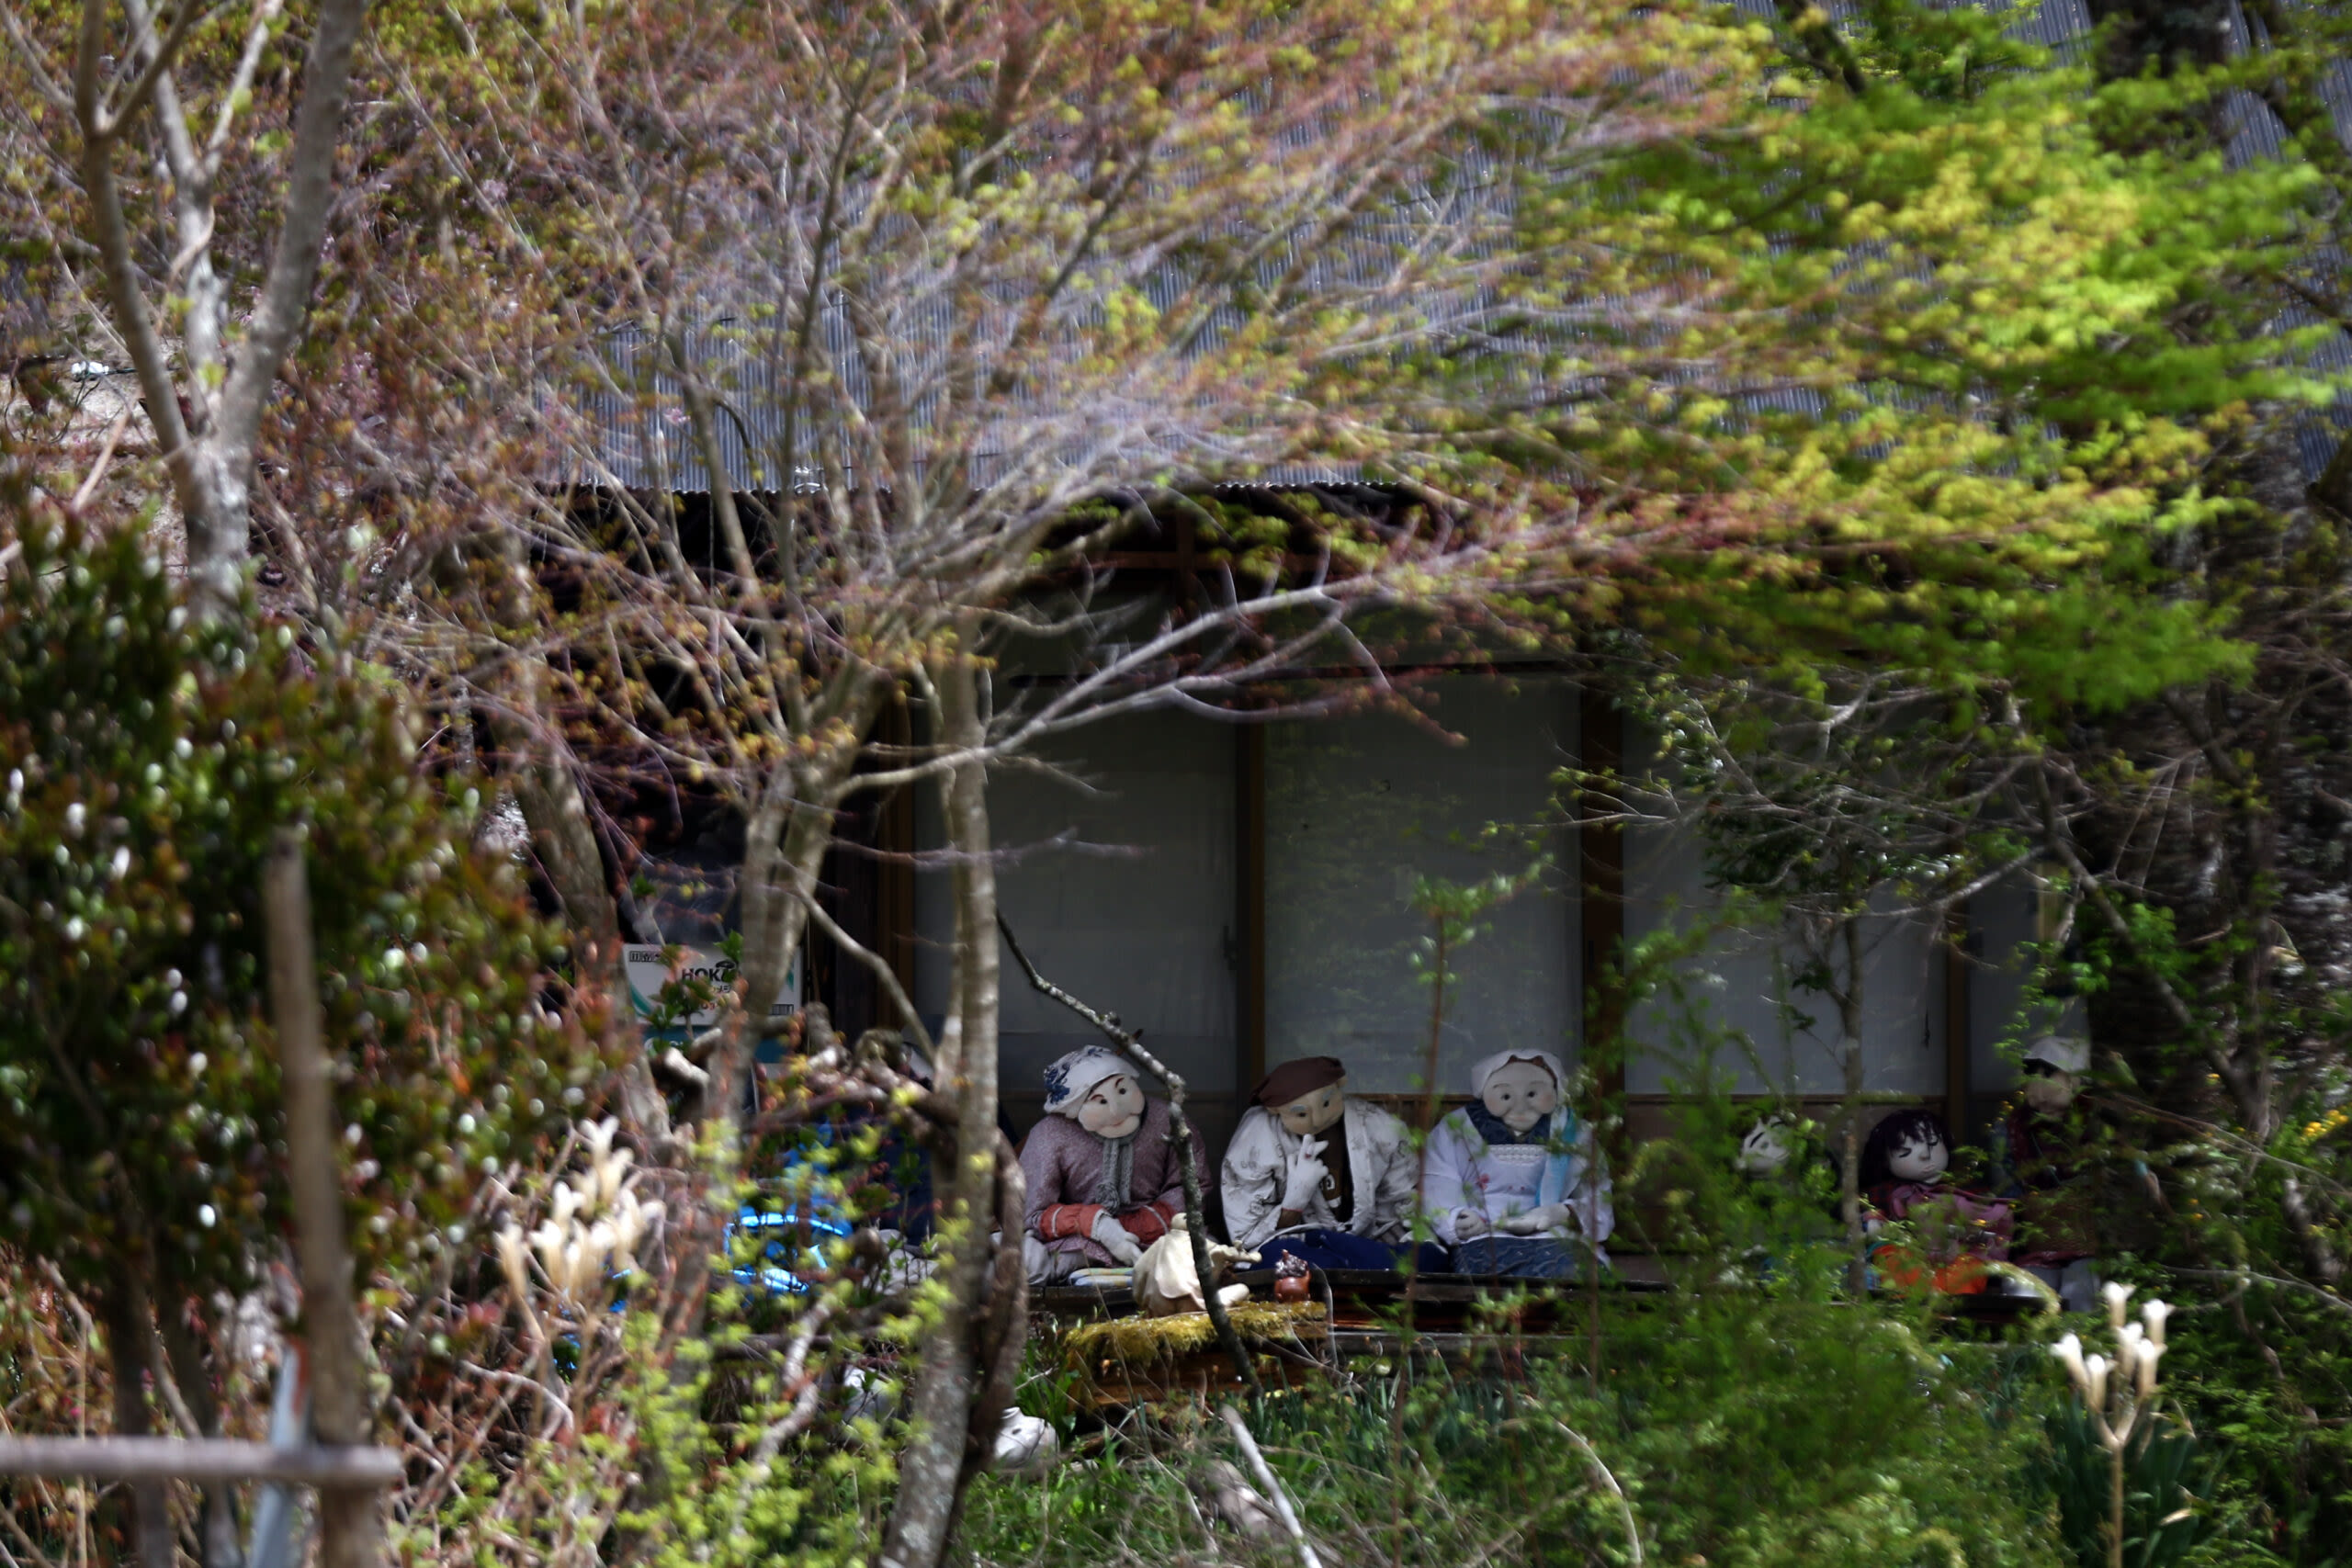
x=1600 y=860
x=1249 y=913
x=1958 y=1025
x=350 y=1535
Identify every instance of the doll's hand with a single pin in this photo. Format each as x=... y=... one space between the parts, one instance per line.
x=1303 y=1178
x=1545 y=1221
x=1114 y=1239
x=1469 y=1222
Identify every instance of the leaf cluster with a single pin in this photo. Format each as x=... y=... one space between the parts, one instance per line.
x=149 y=759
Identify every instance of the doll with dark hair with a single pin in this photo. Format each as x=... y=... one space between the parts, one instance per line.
x=1903 y=1178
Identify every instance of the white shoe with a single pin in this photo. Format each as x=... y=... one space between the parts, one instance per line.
x=1026 y=1445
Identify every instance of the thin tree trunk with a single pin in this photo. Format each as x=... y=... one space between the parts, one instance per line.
x=350 y=1534
x=213 y=465
x=130 y=1335
x=932 y=1472
x=1003 y=1331
x=216 y=1529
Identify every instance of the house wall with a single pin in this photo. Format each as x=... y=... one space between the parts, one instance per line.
x=1128 y=877
x=1356 y=808
x=1119 y=880
x=1741 y=1014
x=1123 y=880
x=2003 y=919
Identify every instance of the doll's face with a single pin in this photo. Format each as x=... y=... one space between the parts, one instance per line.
x=2049 y=1092
x=1520 y=1094
x=1764 y=1151
x=1313 y=1111
x=1920 y=1157
x=1111 y=1108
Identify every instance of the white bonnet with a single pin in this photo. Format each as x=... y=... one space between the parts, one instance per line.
x=1486 y=1067
x=2068 y=1053
x=1070 y=1076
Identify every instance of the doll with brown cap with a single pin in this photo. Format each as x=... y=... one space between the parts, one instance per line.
x=1316 y=1174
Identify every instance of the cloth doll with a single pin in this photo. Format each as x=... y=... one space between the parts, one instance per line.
x=1313 y=1174
x=1959 y=1231
x=2036 y=1149
x=1512 y=1181
x=1105 y=1176
x=1166 y=1281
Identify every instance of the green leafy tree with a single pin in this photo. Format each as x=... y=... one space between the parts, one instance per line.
x=1965 y=335
x=150 y=755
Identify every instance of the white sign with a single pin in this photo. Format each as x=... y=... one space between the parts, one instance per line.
x=647 y=975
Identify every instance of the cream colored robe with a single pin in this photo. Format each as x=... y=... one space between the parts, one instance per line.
x=1380 y=1170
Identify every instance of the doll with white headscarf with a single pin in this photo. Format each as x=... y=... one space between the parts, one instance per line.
x=1104 y=1172
x=1512 y=1181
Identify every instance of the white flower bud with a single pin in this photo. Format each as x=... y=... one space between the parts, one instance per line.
x=2149 y=1355
x=2131 y=1341
x=2153 y=1314
x=610 y=1172
x=512 y=1258
x=2069 y=1352
x=548 y=1240
x=2115 y=1295
x=599 y=1137
x=2095 y=1370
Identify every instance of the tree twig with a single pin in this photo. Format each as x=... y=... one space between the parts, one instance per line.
x=2244 y=1276
x=1188 y=1159
x=1592 y=1457
x=1265 y=1474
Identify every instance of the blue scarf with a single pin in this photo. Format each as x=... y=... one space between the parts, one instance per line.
x=1559 y=1173
x=1491 y=1127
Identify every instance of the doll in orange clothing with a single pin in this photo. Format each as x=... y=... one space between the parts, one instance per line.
x=1902 y=1178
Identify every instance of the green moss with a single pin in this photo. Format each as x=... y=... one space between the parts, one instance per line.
x=1144 y=1339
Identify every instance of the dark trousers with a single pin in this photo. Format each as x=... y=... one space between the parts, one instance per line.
x=1343 y=1249
x=1519 y=1257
